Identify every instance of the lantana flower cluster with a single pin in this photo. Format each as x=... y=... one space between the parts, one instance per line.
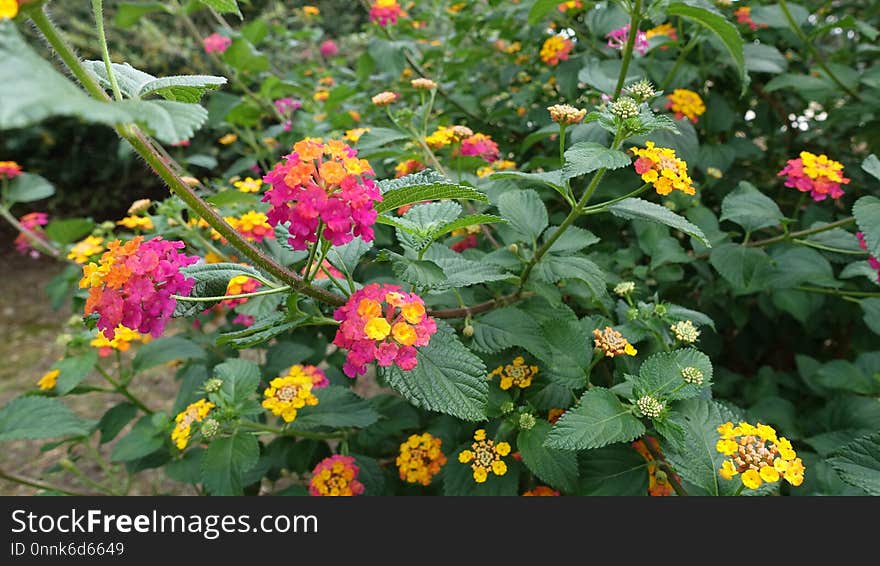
x=287 y=394
x=516 y=374
x=253 y=225
x=336 y=476
x=216 y=43
x=123 y=337
x=9 y=169
x=194 y=413
x=618 y=38
x=758 y=454
x=382 y=323
x=239 y=285
x=658 y=481
x=33 y=222
x=685 y=104
x=485 y=456
x=133 y=284
x=323 y=184
x=420 y=458
x=660 y=167
x=815 y=174
x=556 y=49
x=85 y=249
x=384 y=12
x=612 y=343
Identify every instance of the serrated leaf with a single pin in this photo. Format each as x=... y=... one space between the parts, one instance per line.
x=638 y=209
x=212 y=279
x=586 y=157
x=867 y=213
x=129 y=79
x=567 y=356
x=858 y=463
x=573 y=240
x=417 y=228
x=741 y=266
x=225 y=462
x=871 y=165
x=419 y=272
x=505 y=328
x=613 y=470
x=600 y=419
x=525 y=212
x=552 y=268
x=661 y=375
x=240 y=379
x=422 y=186
x=338 y=407
x=35 y=418
x=29 y=187
x=169 y=121
x=223 y=6
x=448 y=378
x=347 y=256
x=73 y=370
x=115 y=419
x=182 y=88
x=243 y=56
x=552 y=179
x=750 y=208
x=261 y=331
x=721 y=27
x=460 y=271
x=143 y=439
x=164 y=350
x=557 y=468
x=539 y=9
x=465 y=222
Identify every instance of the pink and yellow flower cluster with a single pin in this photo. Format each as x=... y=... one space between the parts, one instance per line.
x=323 y=185
x=385 y=12
x=379 y=322
x=660 y=167
x=336 y=476
x=133 y=284
x=815 y=174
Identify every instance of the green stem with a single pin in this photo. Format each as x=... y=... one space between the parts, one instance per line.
x=681 y=57
x=165 y=168
x=123 y=390
x=603 y=206
x=740 y=489
x=271 y=291
x=292 y=432
x=630 y=44
x=35 y=240
x=815 y=52
x=802 y=233
x=837 y=292
x=98 y=9
x=38 y=484
x=828 y=248
x=562 y=128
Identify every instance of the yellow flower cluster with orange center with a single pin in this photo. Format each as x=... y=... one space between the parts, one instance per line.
x=122 y=340
x=612 y=343
x=133 y=222
x=354 y=135
x=420 y=458
x=555 y=49
x=248 y=185
x=194 y=413
x=758 y=454
x=485 y=456
x=83 y=250
x=685 y=103
x=660 y=167
x=289 y=393
x=443 y=136
x=49 y=379
x=516 y=374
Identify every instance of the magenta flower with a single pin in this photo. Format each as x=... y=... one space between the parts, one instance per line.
x=323 y=184
x=33 y=222
x=815 y=174
x=287 y=106
x=480 y=145
x=617 y=39
x=329 y=48
x=216 y=43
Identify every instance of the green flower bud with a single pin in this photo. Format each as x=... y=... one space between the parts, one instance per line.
x=527 y=421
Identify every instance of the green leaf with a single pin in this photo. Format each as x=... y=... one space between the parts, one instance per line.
x=695 y=460
x=419 y=272
x=661 y=375
x=225 y=462
x=867 y=213
x=566 y=359
x=223 y=6
x=741 y=266
x=573 y=240
x=243 y=56
x=871 y=165
x=505 y=328
x=417 y=228
x=557 y=468
x=164 y=350
x=187 y=469
x=347 y=256
x=29 y=187
x=750 y=208
x=586 y=157
x=525 y=212
x=143 y=439
x=74 y=370
x=261 y=331
x=460 y=271
x=871 y=308
x=458 y=478
x=379 y=139
x=169 y=121
x=422 y=186
x=448 y=378
x=552 y=268
x=721 y=27
x=796 y=265
x=638 y=209
x=129 y=79
x=539 y=9
x=761 y=58
x=773 y=16
x=338 y=407
x=858 y=463
x=240 y=379
x=185 y=88
x=69 y=230
x=598 y=420
x=34 y=418
x=212 y=279
x=370 y=474
x=115 y=419
x=613 y=470
x=552 y=179
x=465 y=222
x=129 y=13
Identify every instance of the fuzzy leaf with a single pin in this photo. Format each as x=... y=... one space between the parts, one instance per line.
x=598 y=420
x=35 y=418
x=638 y=209
x=558 y=468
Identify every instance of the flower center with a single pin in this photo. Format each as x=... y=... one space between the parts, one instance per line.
x=753 y=454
